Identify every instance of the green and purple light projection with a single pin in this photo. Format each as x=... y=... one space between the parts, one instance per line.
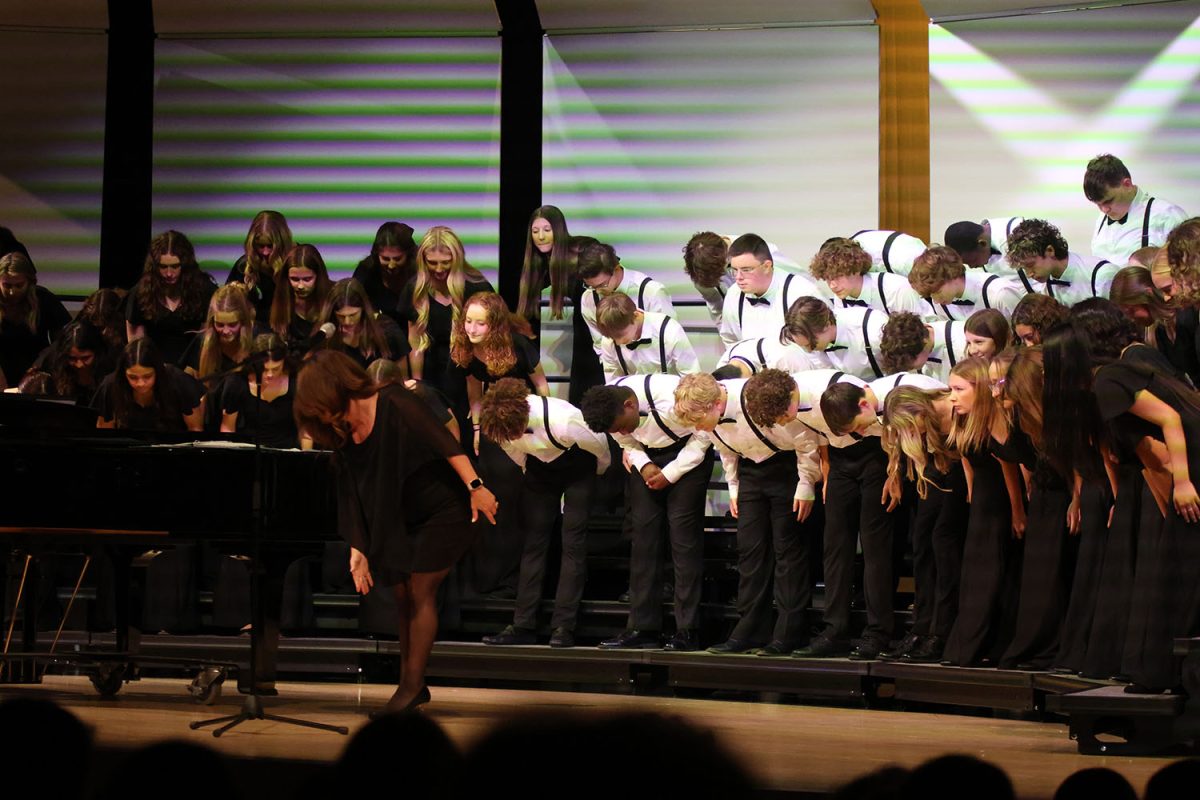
x=1018 y=106
x=340 y=135
x=52 y=151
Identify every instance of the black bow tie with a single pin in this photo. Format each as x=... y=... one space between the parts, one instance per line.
x=962 y=302
x=850 y=302
x=636 y=343
x=528 y=431
x=727 y=421
x=834 y=348
x=757 y=301
x=1057 y=282
x=1121 y=221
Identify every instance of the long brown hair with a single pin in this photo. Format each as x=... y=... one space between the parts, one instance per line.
x=349 y=293
x=18 y=265
x=496 y=350
x=151 y=293
x=284 y=304
x=558 y=263
x=267 y=226
x=325 y=385
x=1023 y=387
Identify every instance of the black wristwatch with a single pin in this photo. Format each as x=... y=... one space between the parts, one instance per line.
x=475 y=484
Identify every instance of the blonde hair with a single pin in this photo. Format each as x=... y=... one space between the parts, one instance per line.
x=439 y=237
x=269 y=226
x=695 y=397
x=18 y=265
x=231 y=298
x=615 y=313
x=971 y=431
x=912 y=438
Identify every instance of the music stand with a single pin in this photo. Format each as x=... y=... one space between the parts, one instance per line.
x=252 y=707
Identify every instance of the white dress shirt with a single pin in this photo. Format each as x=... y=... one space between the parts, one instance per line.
x=662 y=347
x=1001 y=228
x=647 y=294
x=949 y=347
x=736 y=436
x=882 y=387
x=659 y=427
x=1148 y=222
x=981 y=291
x=1084 y=277
x=890 y=251
x=554 y=427
x=890 y=294
x=748 y=317
x=768 y=352
x=855 y=348
x=812 y=385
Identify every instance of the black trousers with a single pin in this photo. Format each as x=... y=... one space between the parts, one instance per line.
x=571 y=480
x=772 y=553
x=937 y=536
x=681 y=507
x=853 y=510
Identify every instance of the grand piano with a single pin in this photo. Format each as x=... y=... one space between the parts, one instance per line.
x=69 y=485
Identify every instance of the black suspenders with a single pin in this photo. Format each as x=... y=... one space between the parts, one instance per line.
x=1096 y=269
x=787 y=282
x=950 y=343
x=658 y=420
x=1025 y=281
x=770 y=445
x=983 y=292
x=1145 y=226
x=546 y=423
x=662 y=343
x=867 y=345
x=641 y=304
x=882 y=296
x=887 y=248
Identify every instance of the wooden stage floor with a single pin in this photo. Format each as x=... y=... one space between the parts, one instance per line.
x=789 y=748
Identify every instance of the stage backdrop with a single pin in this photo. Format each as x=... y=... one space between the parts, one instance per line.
x=340 y=135
x=651 y=137
x=52 y=147
x=1019 y=105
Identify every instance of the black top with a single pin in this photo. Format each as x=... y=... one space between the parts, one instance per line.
x=1115 y=388
x=186 y=388
x=263 y=293
x=171 y=331
x=1181 y=353
x=385 y=301
x=528 y=357
x=19 y=346
x=191 y=356
x=437 y=357
x=273 y=419
x=399 y=500
x=1019 y=449
x=397 y=342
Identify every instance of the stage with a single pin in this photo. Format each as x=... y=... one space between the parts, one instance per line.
x=790 y=749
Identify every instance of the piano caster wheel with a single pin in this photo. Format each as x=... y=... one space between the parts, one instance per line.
x=108 y=679
x=206 y=686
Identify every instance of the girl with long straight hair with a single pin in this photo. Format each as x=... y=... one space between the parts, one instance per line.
x=362 y=334
x=30 y=316
x=227 y=335
x=301 y=293
x=547 y=263
x=388 y=268
x=144 y=393
x=266 y=245
x=170 y=300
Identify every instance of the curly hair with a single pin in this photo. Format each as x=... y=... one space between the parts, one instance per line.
x=840 y=258
x=496 y=351
x=1030 y=239
x=912 y=438
x=150 y=293
x=705 y=259
x=601 y=405
x=1103 y=173
x=991 y=324
x=85 y=337
x=905 y=337
x=1108 y=330
x=1039 y=312
x=806 y=319
x=504 y=415
x=695 y=396
x=615 y=313
x=768 y=394
x=934 y=268
x=1183 y=258
x=102 y=310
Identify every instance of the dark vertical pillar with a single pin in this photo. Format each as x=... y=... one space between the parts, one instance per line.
x=128 y=142
x=520 y=134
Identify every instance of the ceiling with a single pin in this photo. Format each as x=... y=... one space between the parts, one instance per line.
x=424 y=17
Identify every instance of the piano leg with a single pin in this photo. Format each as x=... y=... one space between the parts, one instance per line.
x=21 y=669
x=129 y=637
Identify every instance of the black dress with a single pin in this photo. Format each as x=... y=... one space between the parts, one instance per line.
x=437 y=362
x=399 y=500
x=979 y=631
x=1181 y=352
x=19 y=346
x=273 y=419
x=1047 y=565
x=188 y=391
x=263 y=293
x=385 y=300
x=171 y=330
x=1165 y=586
x=528 y=358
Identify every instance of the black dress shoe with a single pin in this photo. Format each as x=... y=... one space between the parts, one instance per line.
x=732 y=646
x=927 y=651
x=685 y=640
x=512 y=635
x=869 y=648
x=901 y=647
x=561 y=637
x=823 y=647
x=775 y=649
x=633 y=640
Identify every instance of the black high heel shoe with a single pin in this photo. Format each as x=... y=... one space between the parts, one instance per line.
x=422 y=697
